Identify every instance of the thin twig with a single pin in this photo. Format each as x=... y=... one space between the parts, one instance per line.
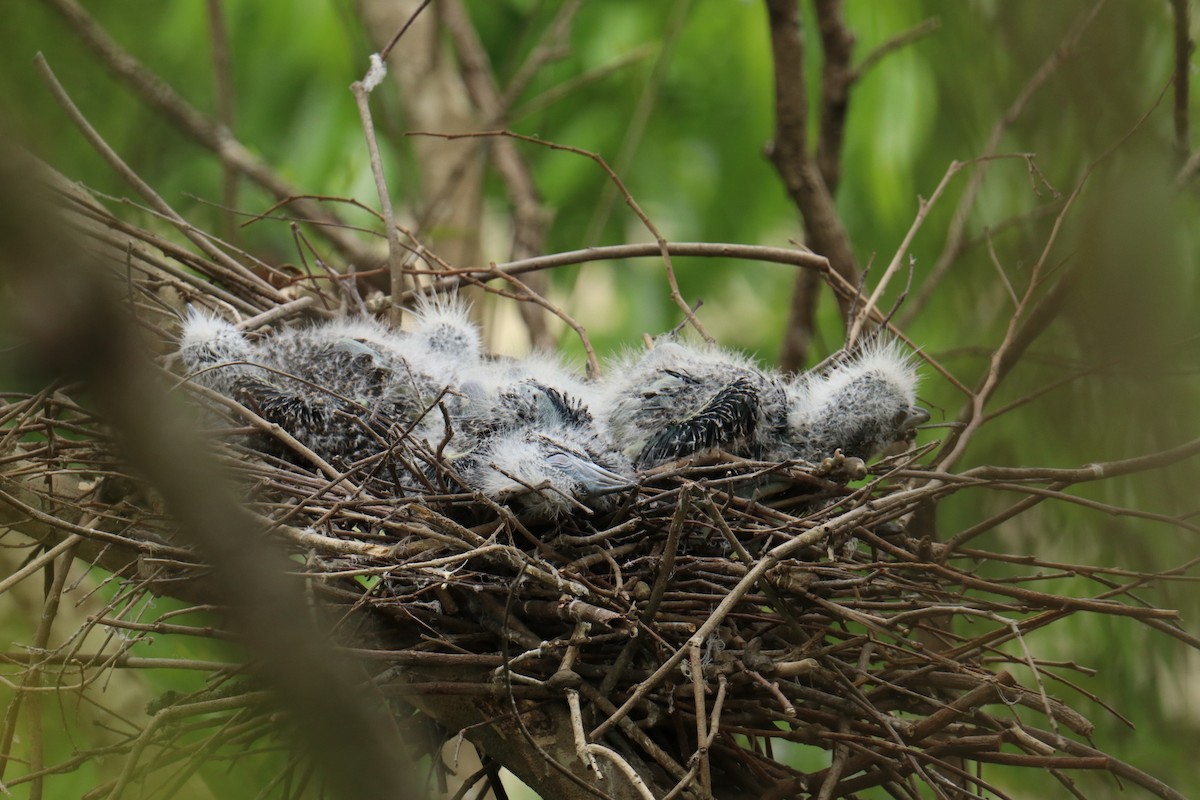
x=223 y=75
x=954 y=238
x=923 y=208
x=396 y=259
x=897 y=42
x=701 y=756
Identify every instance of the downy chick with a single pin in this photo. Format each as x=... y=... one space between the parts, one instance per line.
x=678 y=399
x=861 y=406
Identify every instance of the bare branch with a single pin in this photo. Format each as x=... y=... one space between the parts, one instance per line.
x=664 y=249
x=396 y=264
x=800 y=173
x=897 y=42
x=83 y=335
x=1183 y=70
x=201 y=241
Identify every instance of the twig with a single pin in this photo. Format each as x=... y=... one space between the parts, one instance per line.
x=387 y=49
x=362 y=91
x=45 y=559
x=32 y=679
x=528 y=294
x=274 y=313
x=923 y=208
x=665 y=569
x=785 y=705
x=846 y=521
x=589 y=750
x=639 y=116
x=572 y=85
x=225 y=106
x=529 y=215
x=1183 y=69
x=247 y=571
x=701 y=755
x=900 y=40
x=1015 y=339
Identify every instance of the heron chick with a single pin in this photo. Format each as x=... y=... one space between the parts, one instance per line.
x=532 y=439
x=863 y=405
x=544 y=472
x=343 y=389
x=511 y=429
x=678 y=399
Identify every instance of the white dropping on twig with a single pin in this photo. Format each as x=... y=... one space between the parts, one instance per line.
x=375 y=74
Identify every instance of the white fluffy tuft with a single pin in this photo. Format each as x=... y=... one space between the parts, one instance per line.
x=364 y=329
x=214 y=352
x=443 y=326
x=513 y=464
x=880 y=356
x=205 y=335
x=862 y=405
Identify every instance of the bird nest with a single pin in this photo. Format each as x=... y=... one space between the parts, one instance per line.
x=694 y=634
x=700 y=637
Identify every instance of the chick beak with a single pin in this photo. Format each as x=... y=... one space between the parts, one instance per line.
x=593 y=478
x=914 y=417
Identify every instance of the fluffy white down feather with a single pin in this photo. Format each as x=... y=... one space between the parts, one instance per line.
x=861 y=405
x=215 y=353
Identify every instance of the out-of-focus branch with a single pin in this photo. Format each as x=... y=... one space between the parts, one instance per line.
x=223 y=78
x=75 y=329
x=1189 y=171
x=232 y=267
x=529 y=216
x=635 y=128
x=813 y=197
x=1029 y=319
x=921 y=29
x=663 y=246
x=862 y=315
x=837 y=76
x=433 y=95
x=1183 y=66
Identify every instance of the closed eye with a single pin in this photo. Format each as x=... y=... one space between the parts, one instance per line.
x=560 y=460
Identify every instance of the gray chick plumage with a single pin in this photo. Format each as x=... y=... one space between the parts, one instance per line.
x=526 y=425
x=355 y=389
x=862 y=405
x=345 y=397
x=678 y=399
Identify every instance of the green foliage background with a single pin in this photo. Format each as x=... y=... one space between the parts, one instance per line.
x=1129 y=324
